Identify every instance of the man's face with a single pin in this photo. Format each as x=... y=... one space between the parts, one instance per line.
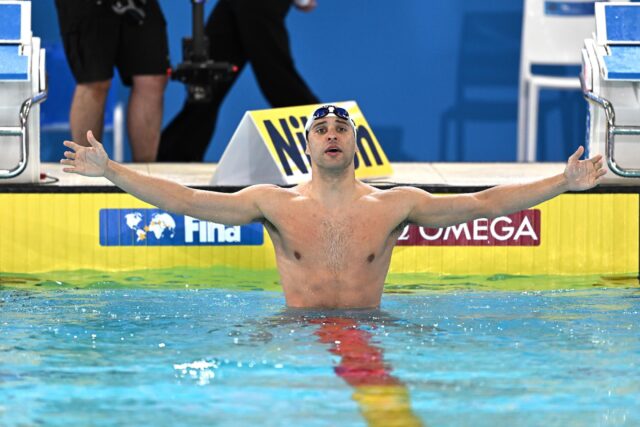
x=331 y=143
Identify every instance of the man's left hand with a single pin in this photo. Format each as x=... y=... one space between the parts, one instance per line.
x=583 y=174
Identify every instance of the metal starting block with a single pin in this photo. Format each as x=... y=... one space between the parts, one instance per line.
x=611 y=83
x=22 y=88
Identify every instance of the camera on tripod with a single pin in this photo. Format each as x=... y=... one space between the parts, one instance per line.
x=198 y=71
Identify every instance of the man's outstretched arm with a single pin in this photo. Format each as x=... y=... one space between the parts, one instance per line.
x=427 y=210
x=238 y=208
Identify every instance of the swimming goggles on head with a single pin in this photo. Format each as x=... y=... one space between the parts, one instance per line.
x=325 y=110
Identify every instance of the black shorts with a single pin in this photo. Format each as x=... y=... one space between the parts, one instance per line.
x=96 y=39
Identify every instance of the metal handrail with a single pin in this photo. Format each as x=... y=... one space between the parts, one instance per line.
x=612 y=130
x=22 y=132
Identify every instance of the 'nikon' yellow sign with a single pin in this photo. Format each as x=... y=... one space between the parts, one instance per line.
x=269 y=147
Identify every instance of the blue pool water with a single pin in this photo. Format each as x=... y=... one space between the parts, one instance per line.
x=432 y=355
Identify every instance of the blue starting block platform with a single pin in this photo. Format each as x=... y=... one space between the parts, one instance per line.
x=13 y=66
x=611 y=81
x=22 y=88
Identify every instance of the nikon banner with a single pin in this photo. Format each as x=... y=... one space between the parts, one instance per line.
x=269 y=147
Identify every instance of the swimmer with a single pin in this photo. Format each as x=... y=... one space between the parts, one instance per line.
x=333 y=235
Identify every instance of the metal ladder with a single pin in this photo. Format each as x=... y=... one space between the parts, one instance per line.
x=23 y=133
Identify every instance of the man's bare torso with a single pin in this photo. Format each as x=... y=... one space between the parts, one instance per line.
x=334 y=257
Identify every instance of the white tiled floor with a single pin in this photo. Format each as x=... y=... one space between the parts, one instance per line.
x=454 y=174
x=471 y=174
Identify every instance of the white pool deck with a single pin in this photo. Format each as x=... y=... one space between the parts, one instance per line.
x=420 y=174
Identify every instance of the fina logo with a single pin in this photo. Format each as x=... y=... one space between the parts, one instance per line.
x=153 y=227
x=160 y=224
x=210 y=232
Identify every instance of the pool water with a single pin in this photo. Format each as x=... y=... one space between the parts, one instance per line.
x=453 y=351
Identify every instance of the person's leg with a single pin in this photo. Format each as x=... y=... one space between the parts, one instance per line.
x=87 y=110
x=144 y=116
x=88 y=33
x=265 y=39
x=143 y=60
x=187 y=136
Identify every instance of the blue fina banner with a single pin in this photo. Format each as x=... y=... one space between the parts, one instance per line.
x=154 y=227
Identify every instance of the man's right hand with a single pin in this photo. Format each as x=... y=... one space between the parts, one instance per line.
x=87 y=161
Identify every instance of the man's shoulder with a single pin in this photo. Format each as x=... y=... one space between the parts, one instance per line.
x=398 y=193
x=265 y=187
x=273 y=192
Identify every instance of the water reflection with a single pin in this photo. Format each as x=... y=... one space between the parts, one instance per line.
x=383 y=398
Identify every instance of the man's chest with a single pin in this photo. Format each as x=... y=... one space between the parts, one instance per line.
x=341 y=232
